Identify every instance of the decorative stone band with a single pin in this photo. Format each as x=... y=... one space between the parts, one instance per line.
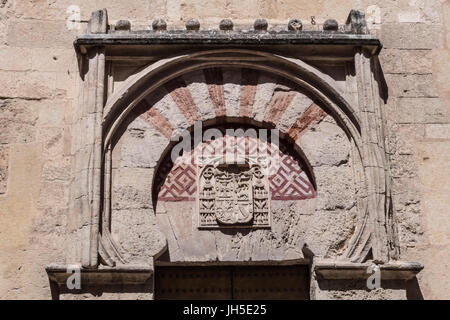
x=341 y=270
x=354 y=32
x=356 y=23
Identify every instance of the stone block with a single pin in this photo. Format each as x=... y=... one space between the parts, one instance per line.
x=421 y=110
x=407 y=211
x=34 y=9
x=335 y=188
x=52 y=139
x=27 y=85
x=57 y=170
x=131 y=188
x=434 y=169
x=326 y=144
x=54 y=194
x=54 y=60
x=15 y=59
x=40 y=34
x=411 y=36
x=17 y=120
x=403 y=138
x=437 y=131
x=407 y=61
x=441 y=65
x=16 y=210
x=52 y=113
x=411 y=86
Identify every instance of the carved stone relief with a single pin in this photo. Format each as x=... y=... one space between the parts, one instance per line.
x=232 y=195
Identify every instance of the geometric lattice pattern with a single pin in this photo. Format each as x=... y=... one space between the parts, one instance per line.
x=290 y=182
x=180 y=185
x=287 y=180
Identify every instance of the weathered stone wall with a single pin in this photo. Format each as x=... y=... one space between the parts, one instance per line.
x=38 y=72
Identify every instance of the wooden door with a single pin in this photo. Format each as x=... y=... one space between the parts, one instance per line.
x=232 y=283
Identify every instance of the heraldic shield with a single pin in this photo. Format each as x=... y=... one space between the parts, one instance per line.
x=232 y=195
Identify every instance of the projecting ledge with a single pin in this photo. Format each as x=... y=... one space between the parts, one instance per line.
x=121 y=274
x=340 y=270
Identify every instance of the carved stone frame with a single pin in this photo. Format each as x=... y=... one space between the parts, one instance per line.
x=98 y=118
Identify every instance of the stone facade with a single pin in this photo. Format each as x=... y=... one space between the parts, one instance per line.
x=82 y=175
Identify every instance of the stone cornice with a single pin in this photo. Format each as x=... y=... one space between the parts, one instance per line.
x=218 y=37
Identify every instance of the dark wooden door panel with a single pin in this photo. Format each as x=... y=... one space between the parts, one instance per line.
x=194 y=283
x=271 y=283
x=238 y=282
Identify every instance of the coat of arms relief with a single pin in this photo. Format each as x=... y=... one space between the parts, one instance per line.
x=233 y=195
